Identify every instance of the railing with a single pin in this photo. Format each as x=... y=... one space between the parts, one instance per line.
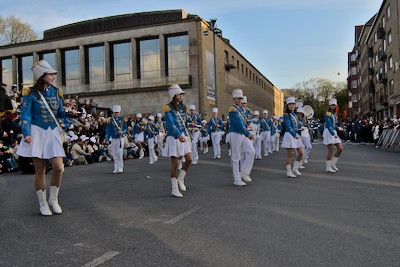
x=125 y=85
x=390 y=139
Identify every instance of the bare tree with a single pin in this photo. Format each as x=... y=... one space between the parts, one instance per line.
x=13 y=31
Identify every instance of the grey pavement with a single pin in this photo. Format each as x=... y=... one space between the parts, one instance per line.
x=350 y=218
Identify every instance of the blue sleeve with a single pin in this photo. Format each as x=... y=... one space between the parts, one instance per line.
x=108 y=131
x=26 y=115
x=221 y=123
x=288 y=126
x=237 y=123
x=124 y=127
x=61 y=113
x=171 y=127
x=329 y=124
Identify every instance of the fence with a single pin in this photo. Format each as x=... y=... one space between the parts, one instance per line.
x=390 y=139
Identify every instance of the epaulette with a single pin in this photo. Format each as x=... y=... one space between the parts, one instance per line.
x=60 y=93
x=251 y=112
x=125 y=119
x=328 y=113
x=231 y=109
x=166 y=108
x=108 y=120
x=285 y=114
x=25 y=91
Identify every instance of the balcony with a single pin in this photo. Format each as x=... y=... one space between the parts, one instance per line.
x=382 y=78
x=381 y=55
x=370 y=52
x=371 y=71
x=371 y=88
x=230 y=64
x=380 y=33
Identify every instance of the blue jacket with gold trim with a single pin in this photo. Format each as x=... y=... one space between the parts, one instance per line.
x=292 y=125
x=114 y=126
x=34 y=111
x=175 y=123
x=237 y=121
x=330 y=122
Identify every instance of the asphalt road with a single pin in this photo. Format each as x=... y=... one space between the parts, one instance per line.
x=350 y=218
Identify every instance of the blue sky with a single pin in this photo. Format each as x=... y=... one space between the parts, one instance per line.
x=288 y=41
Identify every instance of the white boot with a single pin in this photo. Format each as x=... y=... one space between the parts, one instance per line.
x=175 y=190
x=229 y=152
x=301 y=166
x=305 y=160
x=181 y=180
x=329 y=166
x=141 y=153
x=53 y=199
x=245 y=177
x=44 y=206
x=296 y=165
x=334 y=161
x=289 y=172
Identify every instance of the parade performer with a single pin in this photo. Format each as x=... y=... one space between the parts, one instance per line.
x=116 y=129
x=305 y=135
x=240 y=139
x=291 y=139
x=161 y=130
x=204 y=136
x=255 y=126
x=149 y=134
x=194 y=124
x=138 y=132
x=276 y=133
x=41 y=110
x=331 y=137
x=266 y=133
x=178 y=141
x=216 y=127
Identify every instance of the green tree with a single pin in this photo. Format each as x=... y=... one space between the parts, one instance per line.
x=14 y=31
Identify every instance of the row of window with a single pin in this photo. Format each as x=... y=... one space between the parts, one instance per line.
x=122 y=68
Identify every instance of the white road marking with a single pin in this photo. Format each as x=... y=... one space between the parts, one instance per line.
x=183 y=215
x=102 y=259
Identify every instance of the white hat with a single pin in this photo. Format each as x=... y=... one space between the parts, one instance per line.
x=256 y=113
x=332 y=101
x=42 y=67
x=275 y=117
x=139 y=115
x=192 y=107
x=84 y=137
x=14 y=85
x=174 y=90
x=93 y=139
x=203 y=121
x=116 y=108
x=244 y=100
x=159 y=115
x=299 y=104
x=101 y=113
x=215 y=110
x=237 y=93
x=290 y=100
x=300 y=110
x=265 y=111
x=151 y=118
x=73 y=138
x=71 y=133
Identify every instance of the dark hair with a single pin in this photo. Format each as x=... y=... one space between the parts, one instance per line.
x=287 y=108
x=39 y=86
x=329 y=108
x=175 y=104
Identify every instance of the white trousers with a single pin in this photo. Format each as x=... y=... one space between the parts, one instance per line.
x=275 y=142
x=239 y=143
x=117 y=145
x=257 y=145
x=195 y=140
x=266 y=139
x=216 y=139
x=308 y=146
x=159 y=141
x=152 y=152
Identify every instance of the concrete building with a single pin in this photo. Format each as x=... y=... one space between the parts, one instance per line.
x=132 y=59
x=374 y=78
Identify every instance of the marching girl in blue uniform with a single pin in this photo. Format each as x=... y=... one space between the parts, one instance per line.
x=305 y=136
x=291 y=139
x=150 y=134
x=216 y=126
x=331 y=137
x=116 y=130
x=42 y=138
x=178 y=142
x=161 y=132
x=204 y=136
x=193 y=123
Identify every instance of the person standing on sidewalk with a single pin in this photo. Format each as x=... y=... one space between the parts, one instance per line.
x=41 y=134
x=240 y=139
x=331 y=137
x=178 y=142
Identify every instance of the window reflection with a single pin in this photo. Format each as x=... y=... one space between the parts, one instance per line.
x=6 y=71
x=178 y=56
x=97 y=71
x=50 y=58
x=25 y=68
x=72 y=67
x=122 y=62
x=150 y=59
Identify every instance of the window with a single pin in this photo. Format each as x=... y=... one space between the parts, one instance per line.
x=376 y=37
x=384 y=45
x=237 y=65
x=390 y=62
x=149 y=59
x=97 y=69
x=390 y=37
x=25 y=65
x=353 y=57
x=391 y=87
x=122 y=60
x=386 y=68
x=354 y=98
x=354 y=84
x=72 y=68
x=6 y=73
x=178 y=55
x=388 y=11
x=383 y=22
x=353 y=71
x=50 y=57
x=242 y=69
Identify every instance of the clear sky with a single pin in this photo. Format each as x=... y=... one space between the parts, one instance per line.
x=288 y=41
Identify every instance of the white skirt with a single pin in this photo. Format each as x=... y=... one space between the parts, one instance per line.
x=204 y=138
x=228 y=138
x=175 y=148
x=289 y=141
x=330 y=139
x=139 y=137
x=46 y=144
